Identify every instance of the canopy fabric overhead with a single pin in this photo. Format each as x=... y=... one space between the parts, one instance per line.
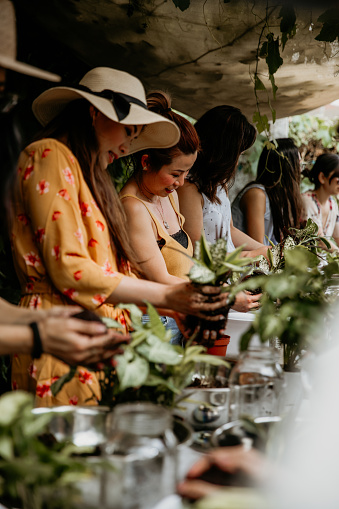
x=204 y=55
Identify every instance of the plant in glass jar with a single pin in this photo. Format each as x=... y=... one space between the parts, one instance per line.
x=294 y=303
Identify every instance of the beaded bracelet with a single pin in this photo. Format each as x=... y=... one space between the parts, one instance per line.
x=37 y=345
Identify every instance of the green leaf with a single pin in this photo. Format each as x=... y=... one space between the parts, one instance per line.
x=12 y=405
x=330 y=29
x=58 y=384
x=110 y=323
x=205 y=254
x=155 y=350
x=274 y=90
x=135 y=313
x=270 y=51
x=288 y=25
x=182 y=4
x=261 y=122
x=132 y=370
x=6 y=447
x=201 y=274
x=258 y=84
x=155 y=323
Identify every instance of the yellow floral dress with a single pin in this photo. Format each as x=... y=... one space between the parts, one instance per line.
x=62 y=253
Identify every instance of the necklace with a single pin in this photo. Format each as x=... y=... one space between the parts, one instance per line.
x=161 y=212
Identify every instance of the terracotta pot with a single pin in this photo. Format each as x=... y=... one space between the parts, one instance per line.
x=220 y=346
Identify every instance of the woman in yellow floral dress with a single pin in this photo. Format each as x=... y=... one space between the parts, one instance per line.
x=69 y=237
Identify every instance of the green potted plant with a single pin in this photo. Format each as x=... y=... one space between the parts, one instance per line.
x=214 y=266
x=150 y=369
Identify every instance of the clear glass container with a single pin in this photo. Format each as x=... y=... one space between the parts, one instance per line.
x=141 y=448
x=257 y=384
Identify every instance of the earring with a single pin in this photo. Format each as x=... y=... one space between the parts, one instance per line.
x=144 y=168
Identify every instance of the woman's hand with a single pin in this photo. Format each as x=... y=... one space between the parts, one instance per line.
x=204 y=302
x=227 y=459
x=245 y=302
x=77 y=341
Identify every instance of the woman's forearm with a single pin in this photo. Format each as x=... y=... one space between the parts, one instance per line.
x=11 y=314
x=15 y=338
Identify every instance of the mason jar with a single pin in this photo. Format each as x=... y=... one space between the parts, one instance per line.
x=141 y=452
x=257 y=384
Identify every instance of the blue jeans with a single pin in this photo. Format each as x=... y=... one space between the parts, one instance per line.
x=170 y=324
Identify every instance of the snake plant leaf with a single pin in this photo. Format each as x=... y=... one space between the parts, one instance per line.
x=205 y=254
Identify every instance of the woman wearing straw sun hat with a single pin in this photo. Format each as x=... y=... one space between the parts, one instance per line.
x=70 y=241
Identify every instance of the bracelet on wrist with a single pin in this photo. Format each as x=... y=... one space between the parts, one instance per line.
x=37 y=345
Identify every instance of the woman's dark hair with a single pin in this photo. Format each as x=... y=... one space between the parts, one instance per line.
x=189 y=143
x=224 y=134
x=328 y=164
x=75 y=124
x=278 y=171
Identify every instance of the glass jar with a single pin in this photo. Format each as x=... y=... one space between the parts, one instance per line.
x=257 y=384
x=141 y=448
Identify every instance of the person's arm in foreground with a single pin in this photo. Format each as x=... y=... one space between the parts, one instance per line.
x=228 y=459
x=72 y=340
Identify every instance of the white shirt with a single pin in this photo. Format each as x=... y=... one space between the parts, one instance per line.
x=217 y=219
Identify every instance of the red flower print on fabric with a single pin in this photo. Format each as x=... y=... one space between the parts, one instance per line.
x=56 y=252
x=32 y=259
x=63 y=193
x=92 y=242
x=100 y=225
x=43 y=187
x=85 y=377
x=35 y=302
x=24 y=219
x=28 y=171
x=39 y=235
x=68 y=176
x=43 y=390
x=86 y=209
x=122 y=320
x=108 y=270
x=29 y=287
x=15 y=386
x=45 y=152
x=73 y=400
x=77 y=275
x=94 y=203
x=70 y=293
x=98 y=299
x=32 y=370
x=78 y=234
x=56 y=215
x=72 y=159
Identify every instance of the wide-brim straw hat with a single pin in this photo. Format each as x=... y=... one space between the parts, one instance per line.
x=8 y=46
x=120 y=97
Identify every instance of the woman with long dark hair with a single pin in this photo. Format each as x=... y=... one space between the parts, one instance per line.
x=225 y=134
x=268 y=207
x=321 y=204
x=70 y=238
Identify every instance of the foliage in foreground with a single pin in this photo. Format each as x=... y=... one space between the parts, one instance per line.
x=31 y=473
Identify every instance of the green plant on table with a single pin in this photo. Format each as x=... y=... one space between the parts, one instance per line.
x=32 y=474
x=151 y=368
x=214 y=265
x=294 y=303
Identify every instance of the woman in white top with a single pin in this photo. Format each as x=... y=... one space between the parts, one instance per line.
x=320 y=204
x=269 y=207
x=224 y=134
